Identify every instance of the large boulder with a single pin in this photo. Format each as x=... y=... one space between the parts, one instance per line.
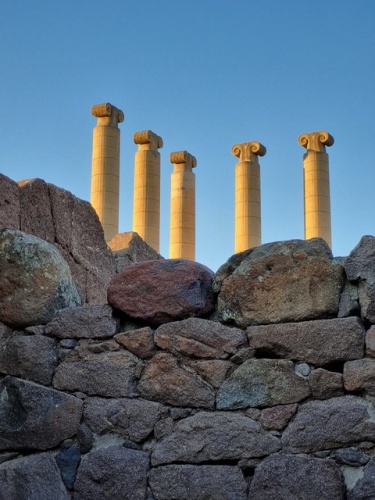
x=35 y=280
x=129 y=248
x=278 y=282
x=161 y=291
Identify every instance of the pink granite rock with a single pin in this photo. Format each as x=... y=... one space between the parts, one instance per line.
x=161 y=291
x=129 y=248
x=9 y=203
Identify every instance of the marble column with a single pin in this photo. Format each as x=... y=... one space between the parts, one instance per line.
x=182 y=226
x=247 y=195
x=316 y=185
x=146 y=208
x=106 y=167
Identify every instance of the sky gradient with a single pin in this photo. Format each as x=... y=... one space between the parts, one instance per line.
x=204 y=75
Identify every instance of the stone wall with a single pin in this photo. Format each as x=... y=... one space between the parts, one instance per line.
x=257 y=382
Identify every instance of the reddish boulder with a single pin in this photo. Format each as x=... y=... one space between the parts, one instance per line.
x=9 y=203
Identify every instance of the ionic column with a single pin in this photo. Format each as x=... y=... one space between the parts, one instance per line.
x=106 y=167
x=247 y=195
x=316 y=185
x=182 y=227
x=146 y=208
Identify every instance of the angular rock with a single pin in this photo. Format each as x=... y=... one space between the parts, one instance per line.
x=129 y=248
x=350 y=456
x=32 y=477
x=349 y=305
x=214 y=437
x=261 y=383
x=318 y=342
x=35 y=417
x=130 y=418
x=359 y=375
x=33 y=357
x=203 y=482
x=213 y=371
x=9 y=203
x=370 y=342
x=90 y=322
x=164 y=380
x=325 y=384
x=277 y=417
x=68 y=461
x=109 y=374
x=281 y=477
x=140 y=342
x=35 y=281
x=364 y=487
x=280 y=282
x=114 y=472
x=330 y=424
x=199 y=338
x=162 y=291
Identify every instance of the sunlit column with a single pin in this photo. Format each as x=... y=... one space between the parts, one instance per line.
x=316 y=185
x=247 y=195
x=146 y=208
x=182 y=227
x=106 y=167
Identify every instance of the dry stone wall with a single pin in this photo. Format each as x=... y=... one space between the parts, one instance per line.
x=256 y=382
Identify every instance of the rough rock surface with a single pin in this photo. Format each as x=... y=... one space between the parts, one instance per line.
x=336 y=422
x=318 y=342
x=140 y=342
x=325 y=384
x=114 y=472
x=279 y=282
x=35 y=281
x=364 y=487
x=214 y=437
x=9 y=203
x=35 y=417
x=359 y=376
x=277 y=417
x=129 y=248
x=262 y=382
x=199 y=338
x=165 y=380
x=282 y=477
x=187 y=482
x=161 y=291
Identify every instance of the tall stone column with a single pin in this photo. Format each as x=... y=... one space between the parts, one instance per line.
x=182 y=227
x=106 y=167
x=247 y=195
x=316 y=185
x=146 y=208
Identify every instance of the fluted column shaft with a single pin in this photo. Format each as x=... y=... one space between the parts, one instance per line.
x=247 y=195
x=182 y=225
x=146 y=208
x=317 y=208
x=106 y=167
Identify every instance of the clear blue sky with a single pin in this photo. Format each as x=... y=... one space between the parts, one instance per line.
x=204 y=75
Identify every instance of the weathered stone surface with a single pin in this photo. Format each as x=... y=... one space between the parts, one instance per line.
x=90 y=322
x=199 y=338
x=33 y=357
x=129 y=248
x=161 y=291
x=364 y=487
x=140 y=342
x=262 y=382
x=213 y=371
x=67 y=461
x=166 y=381
x=35 y=417
x=130 y=418
x=187 y=482
x=349 y=304
x=279 y=282
x=35 y=281
x=214 y=437
x=359 y=375
x=281 y=477
x=114 y=472
x=325 y=384
x=370 y=342
x=109 y=374
x=350 y=456
x=318 y=342
x=35 y=477
x=329 y=424
x=9 y=203
x=277 y=417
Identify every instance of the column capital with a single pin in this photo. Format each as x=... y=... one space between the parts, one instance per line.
x=107 y=114
x=248 y=150
x=316 y=141
x=148 y=140
x=183 y=157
